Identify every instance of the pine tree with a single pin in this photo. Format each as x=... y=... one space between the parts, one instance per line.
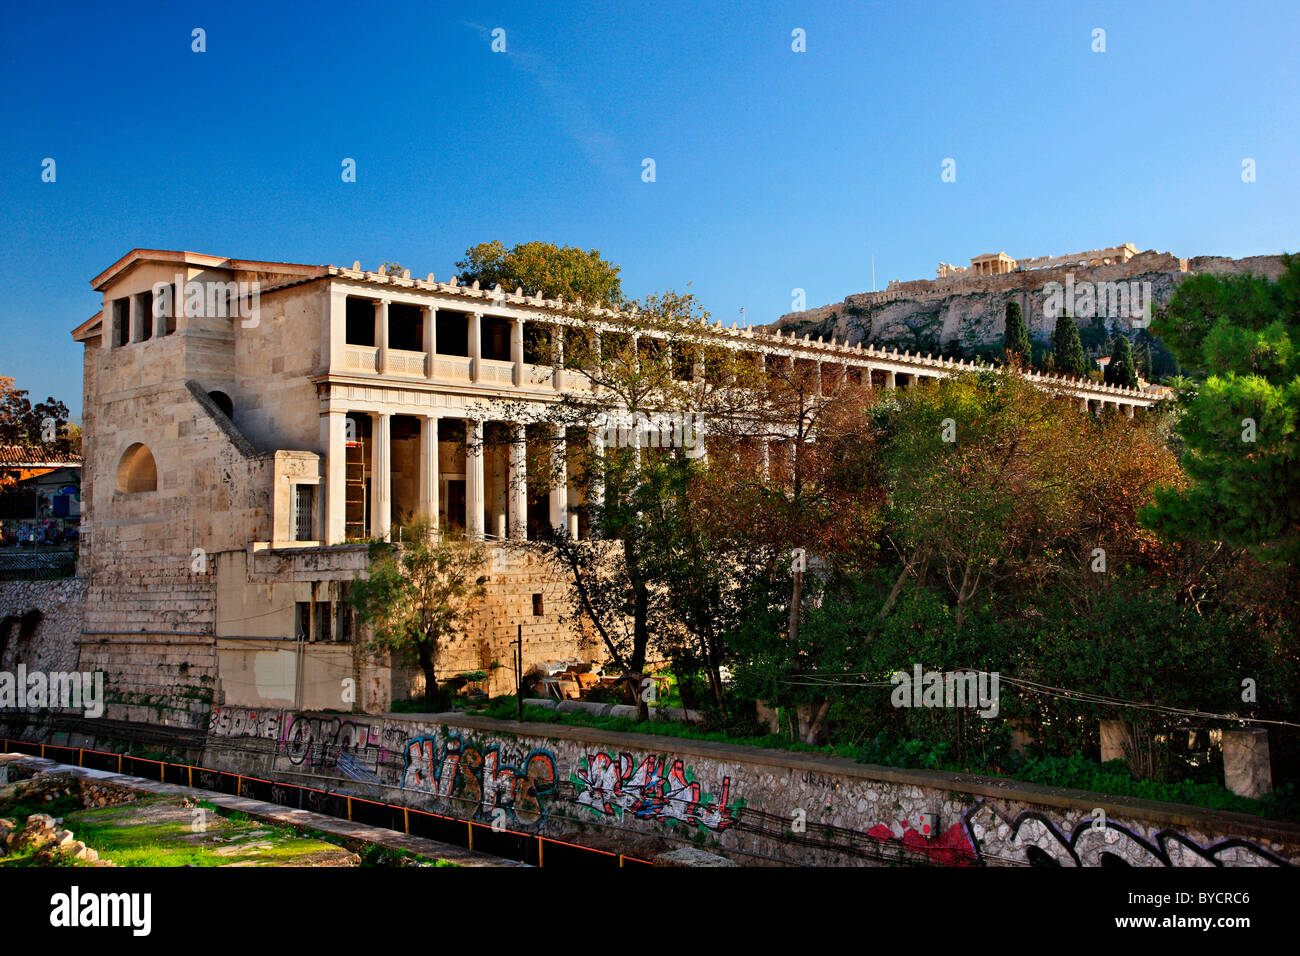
x=1121 y=371
x=1016 y=341
x=1067 y=348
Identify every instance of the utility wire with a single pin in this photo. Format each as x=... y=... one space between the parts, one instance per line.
x=826 y=680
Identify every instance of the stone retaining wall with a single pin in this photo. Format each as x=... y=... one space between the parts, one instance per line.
x=644 y=794
x=47 y=642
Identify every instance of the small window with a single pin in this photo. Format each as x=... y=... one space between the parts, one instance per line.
x=304 y=513
x=121 y=322
x=144 y=303
x=301 y=620
x=136 y=471
x=324 y=621
x=343 y=622
x=537 y=605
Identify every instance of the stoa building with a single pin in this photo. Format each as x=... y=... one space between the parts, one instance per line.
x=249 y=426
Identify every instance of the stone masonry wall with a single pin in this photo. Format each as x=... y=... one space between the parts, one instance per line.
x=51 y=644
x=641 y=795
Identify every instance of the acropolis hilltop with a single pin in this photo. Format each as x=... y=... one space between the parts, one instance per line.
x=998 y=263
x=962 y=309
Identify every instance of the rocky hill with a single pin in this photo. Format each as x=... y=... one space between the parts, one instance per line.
x=966 y=315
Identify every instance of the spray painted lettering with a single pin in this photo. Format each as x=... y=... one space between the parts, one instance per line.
x=478 y=777
x=613 y=785
x=241 y=722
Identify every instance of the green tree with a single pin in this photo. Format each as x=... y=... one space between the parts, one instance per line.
x=1016 y=342
x=22 y=423
x=417 y=595
x=543 y=268
x=1121 y=369
x=1067 y=348
x=1238 y=425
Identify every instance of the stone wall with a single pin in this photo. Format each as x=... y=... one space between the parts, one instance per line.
x=642 y=795
x=40 y=624
x=161 y=678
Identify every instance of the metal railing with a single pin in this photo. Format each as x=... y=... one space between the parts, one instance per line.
x=530 y=848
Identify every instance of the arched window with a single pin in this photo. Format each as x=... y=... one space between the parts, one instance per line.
x=136 y=471
x=224 y=403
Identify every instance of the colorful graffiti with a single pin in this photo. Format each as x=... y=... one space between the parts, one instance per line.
x=612 y=785
x=242 y=722
x=950 y=848
x=318 y=740
x=480 y=777
x=1032 y=837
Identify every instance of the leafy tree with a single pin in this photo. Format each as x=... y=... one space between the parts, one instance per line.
x=1067 y=348
x=418 y=595
x=618 y=582
x=1017 y=335
x=43 y=425
x=543 y=268
x=972 y=472
x=1121 y=369
x=22 y=423
x=1239 y=425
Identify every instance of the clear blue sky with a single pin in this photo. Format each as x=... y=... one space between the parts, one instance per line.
x=775 y=169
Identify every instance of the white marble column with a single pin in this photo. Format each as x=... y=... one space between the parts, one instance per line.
x=381 y=336
x=764 y=459
x=557 y=357
x=517 y=349
x=474 y=484
x=381 y=476
x=430 y=342
x=334 y=443
x=891 y=380
x=1128 y=411
x=475 y=346
x=136 y=330
x=559 y=481
x=597 y=488
x=518 y=484
x=429 y=470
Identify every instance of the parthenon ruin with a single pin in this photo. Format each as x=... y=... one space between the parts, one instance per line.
x=999 y=263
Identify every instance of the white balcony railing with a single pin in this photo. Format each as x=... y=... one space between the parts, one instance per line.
x=405 y=364
x=492 y=372
x=361 y=358
x=538 y=376
x=452 y=368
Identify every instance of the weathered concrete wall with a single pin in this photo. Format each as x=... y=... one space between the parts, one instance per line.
x=645 y=794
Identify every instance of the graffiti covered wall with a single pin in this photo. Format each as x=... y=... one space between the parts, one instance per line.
x=761 y=807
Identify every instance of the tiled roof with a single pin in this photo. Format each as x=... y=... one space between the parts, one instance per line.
x=36 y=456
